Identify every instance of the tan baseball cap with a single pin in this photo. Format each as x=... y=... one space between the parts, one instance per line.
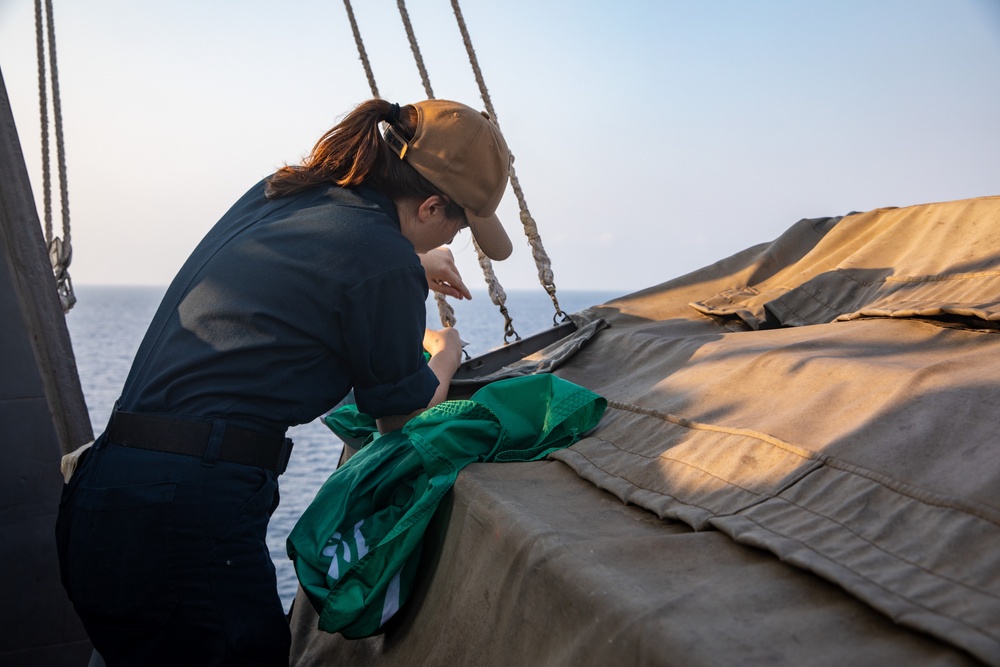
x=461 y=152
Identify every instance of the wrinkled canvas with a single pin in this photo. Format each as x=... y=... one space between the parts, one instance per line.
x=805 y=434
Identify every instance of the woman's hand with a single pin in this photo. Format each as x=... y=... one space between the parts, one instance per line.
x=442 y=274
x=445 y=345
x=445 y=348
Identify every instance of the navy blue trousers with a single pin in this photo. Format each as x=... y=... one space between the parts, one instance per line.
x=165 y=560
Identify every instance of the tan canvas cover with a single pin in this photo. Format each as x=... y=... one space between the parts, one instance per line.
x=806 y=434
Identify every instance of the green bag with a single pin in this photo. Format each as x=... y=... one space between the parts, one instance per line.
x=356 y=548
x=350 y=425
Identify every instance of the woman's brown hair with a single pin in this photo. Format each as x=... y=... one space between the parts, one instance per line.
x=353 y=152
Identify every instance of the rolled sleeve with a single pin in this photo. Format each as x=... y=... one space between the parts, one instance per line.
x=401 y=398
x=385 y=335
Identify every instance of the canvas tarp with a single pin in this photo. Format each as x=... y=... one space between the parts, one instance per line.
x=806 y=434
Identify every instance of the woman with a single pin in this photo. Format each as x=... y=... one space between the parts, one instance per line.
x=310 y=286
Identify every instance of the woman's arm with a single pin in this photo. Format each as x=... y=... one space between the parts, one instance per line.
x=445 y=348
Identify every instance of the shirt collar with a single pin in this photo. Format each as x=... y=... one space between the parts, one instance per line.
x=380 y=200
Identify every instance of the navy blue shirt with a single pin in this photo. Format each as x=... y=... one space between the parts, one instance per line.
x=284 y=307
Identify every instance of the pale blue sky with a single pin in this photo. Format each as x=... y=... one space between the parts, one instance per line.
x=652 y=138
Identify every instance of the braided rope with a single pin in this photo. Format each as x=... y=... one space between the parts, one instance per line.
x=57 y=113
x=445 y=311
x=361 y=49
x=415 y=48
x=60 y=249
x=497 y=294
x=542 y=261
x=43 y=112
x=496 y=291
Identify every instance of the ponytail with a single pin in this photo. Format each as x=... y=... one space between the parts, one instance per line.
x=353 y=152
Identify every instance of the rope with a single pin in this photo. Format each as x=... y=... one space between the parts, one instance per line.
x=43 y=112
x=361 y=49
x=415 y=48
x=60 y=250
x=496 y=291
x=445 y=311
x=542 y=261
x=497 y=294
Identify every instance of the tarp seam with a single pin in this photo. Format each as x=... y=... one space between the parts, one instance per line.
x=761 y=497
x=687 y=423
x=875 y=545
x=914 y=493
x=934 y=278
x=674 y=460
x=876 y=584
x=633 y=485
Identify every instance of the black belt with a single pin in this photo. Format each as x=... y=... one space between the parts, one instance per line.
x=183 y=435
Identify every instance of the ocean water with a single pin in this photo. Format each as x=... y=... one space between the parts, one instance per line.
x=107 y=325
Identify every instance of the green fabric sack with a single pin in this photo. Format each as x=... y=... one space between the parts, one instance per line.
x=356 y=548
x=350 y=425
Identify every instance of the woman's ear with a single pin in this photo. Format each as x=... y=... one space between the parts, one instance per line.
x=432 y=208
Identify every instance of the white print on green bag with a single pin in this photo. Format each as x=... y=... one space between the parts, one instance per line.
x=333 y=547
x=390 y=605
